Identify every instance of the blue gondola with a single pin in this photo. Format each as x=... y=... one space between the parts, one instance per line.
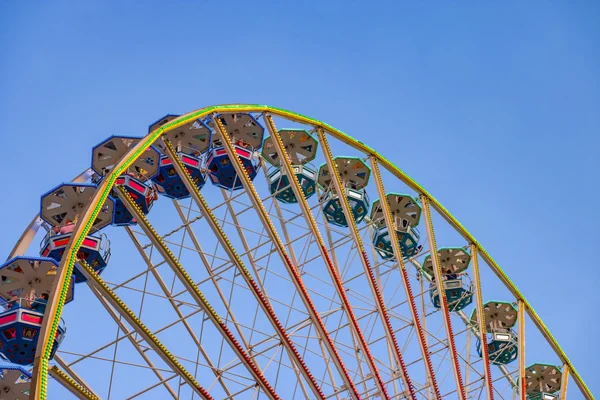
x=221 y=170
x=300 y=148
x=354 y=176
x=408 y=241
x=459 y=293
x=279 y=183
x=359 y=205
x=95 y=250
x=503 y=346
x=142 y=195
x=19 y=332
x=170 y=184
x=246 y=135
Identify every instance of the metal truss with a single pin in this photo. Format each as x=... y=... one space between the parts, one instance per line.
x=238 y=295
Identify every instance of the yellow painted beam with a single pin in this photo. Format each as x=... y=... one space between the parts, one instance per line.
x=564 y=381
x=68 y=370
x=441 y=289
x=481 y=322
x=521 y=347
x=71 y=385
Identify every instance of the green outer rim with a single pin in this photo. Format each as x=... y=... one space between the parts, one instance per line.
x=150 y=138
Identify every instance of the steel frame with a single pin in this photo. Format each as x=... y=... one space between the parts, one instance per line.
x=168 y=295
x=564 y=382
x=254 y=287
x=101 y=298
x=373 y=284
x=333 y=271
x=292 y=269
x=101 y=288
x=55 y=306
x=193 y=290
x=404 y=276
x=387 y=272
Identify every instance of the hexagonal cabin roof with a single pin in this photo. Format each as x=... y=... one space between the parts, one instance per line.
x=107 y=154
x=352 y=170
x=453 y=260
x=161 y=121
x=300 y=146
x=21 y=275
x=240 y=127
x=497 y=314
x=66 y=202
x=404 y=209
x=16 y=379
x=542 y=378
x=192 y=138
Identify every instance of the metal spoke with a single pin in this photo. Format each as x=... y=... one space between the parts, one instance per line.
x=306 y=308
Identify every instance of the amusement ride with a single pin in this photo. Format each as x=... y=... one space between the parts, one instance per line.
x=249 y=252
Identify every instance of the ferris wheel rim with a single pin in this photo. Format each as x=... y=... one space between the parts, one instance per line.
x=106 y=185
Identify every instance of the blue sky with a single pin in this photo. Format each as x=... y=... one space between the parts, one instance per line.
x=491 y=106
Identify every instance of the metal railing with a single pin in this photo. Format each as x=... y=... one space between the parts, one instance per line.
x=24 y=304
x=103 y=249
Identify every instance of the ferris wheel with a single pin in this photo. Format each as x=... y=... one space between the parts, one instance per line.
x=249 y=252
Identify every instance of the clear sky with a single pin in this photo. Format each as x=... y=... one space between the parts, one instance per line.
x=493 y=106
